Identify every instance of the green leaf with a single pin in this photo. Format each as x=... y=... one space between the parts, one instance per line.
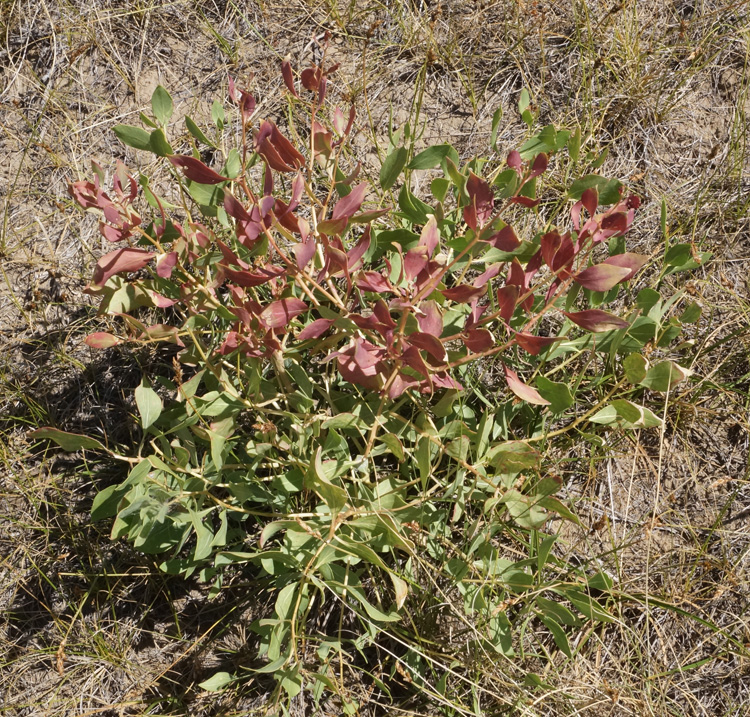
x=162 y=105
x=68 y=441
x=343 y=420
x=556 y=610
x=431 y=157
x=284 y=601
x=558 y=635
x=392 y=167
x=149 y=404
x=197 y=132
x=626 y=414
x=106 y=502
x=414 y=209
x=608 y=189
x=664 y=375
x=496 y=117
x=524 y=100
x=133 y=136
x=158 y=143
x=558 y=394
x=692 y=313
x=513 y=457
x=635 y=366
x=439 y=188
x=217 y=682
x=545 y=141
x=332 y=495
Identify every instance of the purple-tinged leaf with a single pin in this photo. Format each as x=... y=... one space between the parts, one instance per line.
x=596 y=320
x=286 y=73
x=165 y=264
x=505 y=239
x=258 y=277
x=304 y=252
x=590 y=200
x=315 y=329
x=487 y=275
x=540 y=165
x=118 y=262
x=628 y=260
x=522 y=390
x=279 y=313
x=101 y=340
x=443 y=380
x=276 y=149
x=464 y=293
x=429 y=343
x=401 y=382
x=350 y=204
x=375 y=282
x=616 y=223
x=514 y=160
x=601 y=277
x=478 y=340
x=482 y=201
x=430 y=237
x=507 y=298
x=534 y=344
x=332 y=227
x=195 y=170
x=355 y=254
x=234 y=208
x=414 y=261
x=430 y=319
x=524 y=201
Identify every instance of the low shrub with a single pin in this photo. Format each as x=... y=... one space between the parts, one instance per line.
x=366 y=398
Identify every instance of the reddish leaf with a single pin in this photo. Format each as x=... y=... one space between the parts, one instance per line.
x=430 y=319
x=276 y=149
x=355 y=254
x=430 y=237
x=304 y=252
x=118 y=262
x=463 y=293
x=165 y=264
x=254 y=278
x=315 y=329
x=540 y=165
x=443 y=380
x=590 y=200
x=279 y=313
x=101 y=340
x=490 y=273
x=533 y=344
x=373 y=281
x=478 y=340
x=286 y=73
x=523 y=391
x=514 y=160
x=332 y=226
x=429 y=343
x=524 y=201
x=195 y=170
x=615 y=223
x=401 y=382
x=482 y=201
x=628 y=260
x=350 y=204
x=234 y=207
x=596 y=320
x=414 y=261
x=601 y=277
x=505 y=239
x=507 y=297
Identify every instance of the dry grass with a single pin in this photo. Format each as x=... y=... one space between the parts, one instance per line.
x=91 y=628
